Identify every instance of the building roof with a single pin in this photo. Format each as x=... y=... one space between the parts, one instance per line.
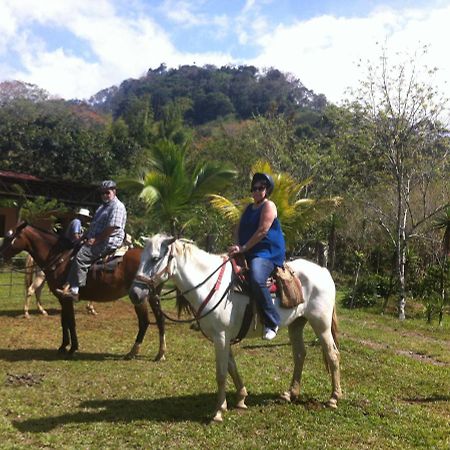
x=22 y=185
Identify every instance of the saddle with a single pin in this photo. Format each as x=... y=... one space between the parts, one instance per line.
x=109 y=262
x=282 y=284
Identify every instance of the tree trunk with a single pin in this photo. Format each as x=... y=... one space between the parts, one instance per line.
x=401 y=248
x=332 y=246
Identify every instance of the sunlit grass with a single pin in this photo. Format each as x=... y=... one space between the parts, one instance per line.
x=395 y=377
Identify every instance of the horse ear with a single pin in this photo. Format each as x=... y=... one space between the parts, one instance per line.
x=170 y=241
x=21 y=226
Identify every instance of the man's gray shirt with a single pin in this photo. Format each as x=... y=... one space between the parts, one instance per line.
x=112 y=214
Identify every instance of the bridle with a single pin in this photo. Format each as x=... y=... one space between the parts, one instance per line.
x=11 y=239
x=150 y=283
x=51 y=266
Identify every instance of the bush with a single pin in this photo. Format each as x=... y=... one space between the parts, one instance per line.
x=367 y=292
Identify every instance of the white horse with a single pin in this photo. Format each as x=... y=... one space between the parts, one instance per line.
x=221 y=318
x=34 y=283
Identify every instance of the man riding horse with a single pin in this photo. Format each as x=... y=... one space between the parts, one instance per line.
x=106 y=233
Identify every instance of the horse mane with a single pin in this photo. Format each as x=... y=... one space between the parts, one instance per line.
x=186 y=248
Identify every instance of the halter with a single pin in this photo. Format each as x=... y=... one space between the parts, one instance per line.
x=150 y=281
x=12 y=238
x=52 y=265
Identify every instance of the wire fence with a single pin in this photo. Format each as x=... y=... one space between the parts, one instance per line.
x=12 y=277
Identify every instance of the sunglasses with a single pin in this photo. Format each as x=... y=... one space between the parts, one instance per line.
x=258 y=188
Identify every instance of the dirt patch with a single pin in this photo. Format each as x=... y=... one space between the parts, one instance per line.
x=417 y=356
x=27 y=379
x=421 y=357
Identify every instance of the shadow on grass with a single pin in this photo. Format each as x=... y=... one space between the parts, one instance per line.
x=430 y=399
x=45 y=354
x=19 y=314
x=194 y=408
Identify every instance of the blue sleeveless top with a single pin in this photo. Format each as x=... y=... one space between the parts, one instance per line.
x=271 y=247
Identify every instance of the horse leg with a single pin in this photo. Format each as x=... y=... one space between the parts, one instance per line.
x=331 y=358
x=90 y=309
x=143 y=323
x=161 y=323
x=299 y=355
x=222 y=350
x=72 y=328
x=240 y=388
x=64 y=327
x=26 y=305
x=40 y=286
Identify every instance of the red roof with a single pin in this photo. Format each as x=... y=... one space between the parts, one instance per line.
x=19 y=176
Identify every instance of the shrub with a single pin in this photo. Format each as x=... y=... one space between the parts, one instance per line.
x=367 y=291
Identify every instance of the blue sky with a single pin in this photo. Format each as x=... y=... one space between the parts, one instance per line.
x=74 y=48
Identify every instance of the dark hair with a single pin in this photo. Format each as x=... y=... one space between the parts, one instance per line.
x=266 y=179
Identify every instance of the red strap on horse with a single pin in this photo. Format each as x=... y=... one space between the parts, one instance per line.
x=213 y=290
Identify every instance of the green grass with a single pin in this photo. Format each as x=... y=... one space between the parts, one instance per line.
x=395 y=377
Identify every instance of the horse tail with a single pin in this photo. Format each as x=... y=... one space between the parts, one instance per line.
x=182 y=304
x=334 y=327
x=334 y=333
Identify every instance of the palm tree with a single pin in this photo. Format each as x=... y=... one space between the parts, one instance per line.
x=442 y=222
x=294 y=212
x=170 y=189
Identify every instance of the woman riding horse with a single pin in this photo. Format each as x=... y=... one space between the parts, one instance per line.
x=206 y=280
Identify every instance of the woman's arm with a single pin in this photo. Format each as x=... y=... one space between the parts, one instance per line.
x=268 y=215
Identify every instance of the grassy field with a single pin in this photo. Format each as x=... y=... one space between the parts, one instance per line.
x=395 y=377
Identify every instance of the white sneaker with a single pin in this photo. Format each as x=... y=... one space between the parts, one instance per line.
x=269 y=334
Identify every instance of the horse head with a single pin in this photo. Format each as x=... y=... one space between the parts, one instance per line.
x=13 y=243
x=157 y=266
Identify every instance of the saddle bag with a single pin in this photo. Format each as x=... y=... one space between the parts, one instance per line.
x=289 y=287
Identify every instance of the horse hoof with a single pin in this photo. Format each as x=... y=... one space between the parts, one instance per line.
x=44 y=313
x=159 y=358
x=286 y=396
x=62 y=350
x=26 y=316
x=129 y=356
x=332 y=403
x=216 y=419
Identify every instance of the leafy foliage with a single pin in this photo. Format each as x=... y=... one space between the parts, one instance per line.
x=242 y=91
x=294 y=212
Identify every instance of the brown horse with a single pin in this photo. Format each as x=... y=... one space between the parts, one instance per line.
x=51 y=254
x=34 y=284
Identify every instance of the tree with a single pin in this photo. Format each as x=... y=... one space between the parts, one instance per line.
x=171 y=188
x=442 y=222
x=295 y=212
x=403 y=113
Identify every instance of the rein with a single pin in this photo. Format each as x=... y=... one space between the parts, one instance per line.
x=197 y=315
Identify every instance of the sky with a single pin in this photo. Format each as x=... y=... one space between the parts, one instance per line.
x=75 y=48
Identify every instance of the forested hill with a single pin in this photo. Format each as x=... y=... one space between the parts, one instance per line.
x=210 y=93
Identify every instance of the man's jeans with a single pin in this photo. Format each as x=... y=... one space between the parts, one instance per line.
x=260 y=270
x=83 y=260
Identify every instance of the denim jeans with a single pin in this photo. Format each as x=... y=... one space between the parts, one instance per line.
x=260 y=270
x=83 y=260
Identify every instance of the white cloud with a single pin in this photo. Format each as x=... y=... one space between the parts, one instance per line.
x=323 y=51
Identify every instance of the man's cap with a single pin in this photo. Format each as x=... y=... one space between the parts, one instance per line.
x=107 y=184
